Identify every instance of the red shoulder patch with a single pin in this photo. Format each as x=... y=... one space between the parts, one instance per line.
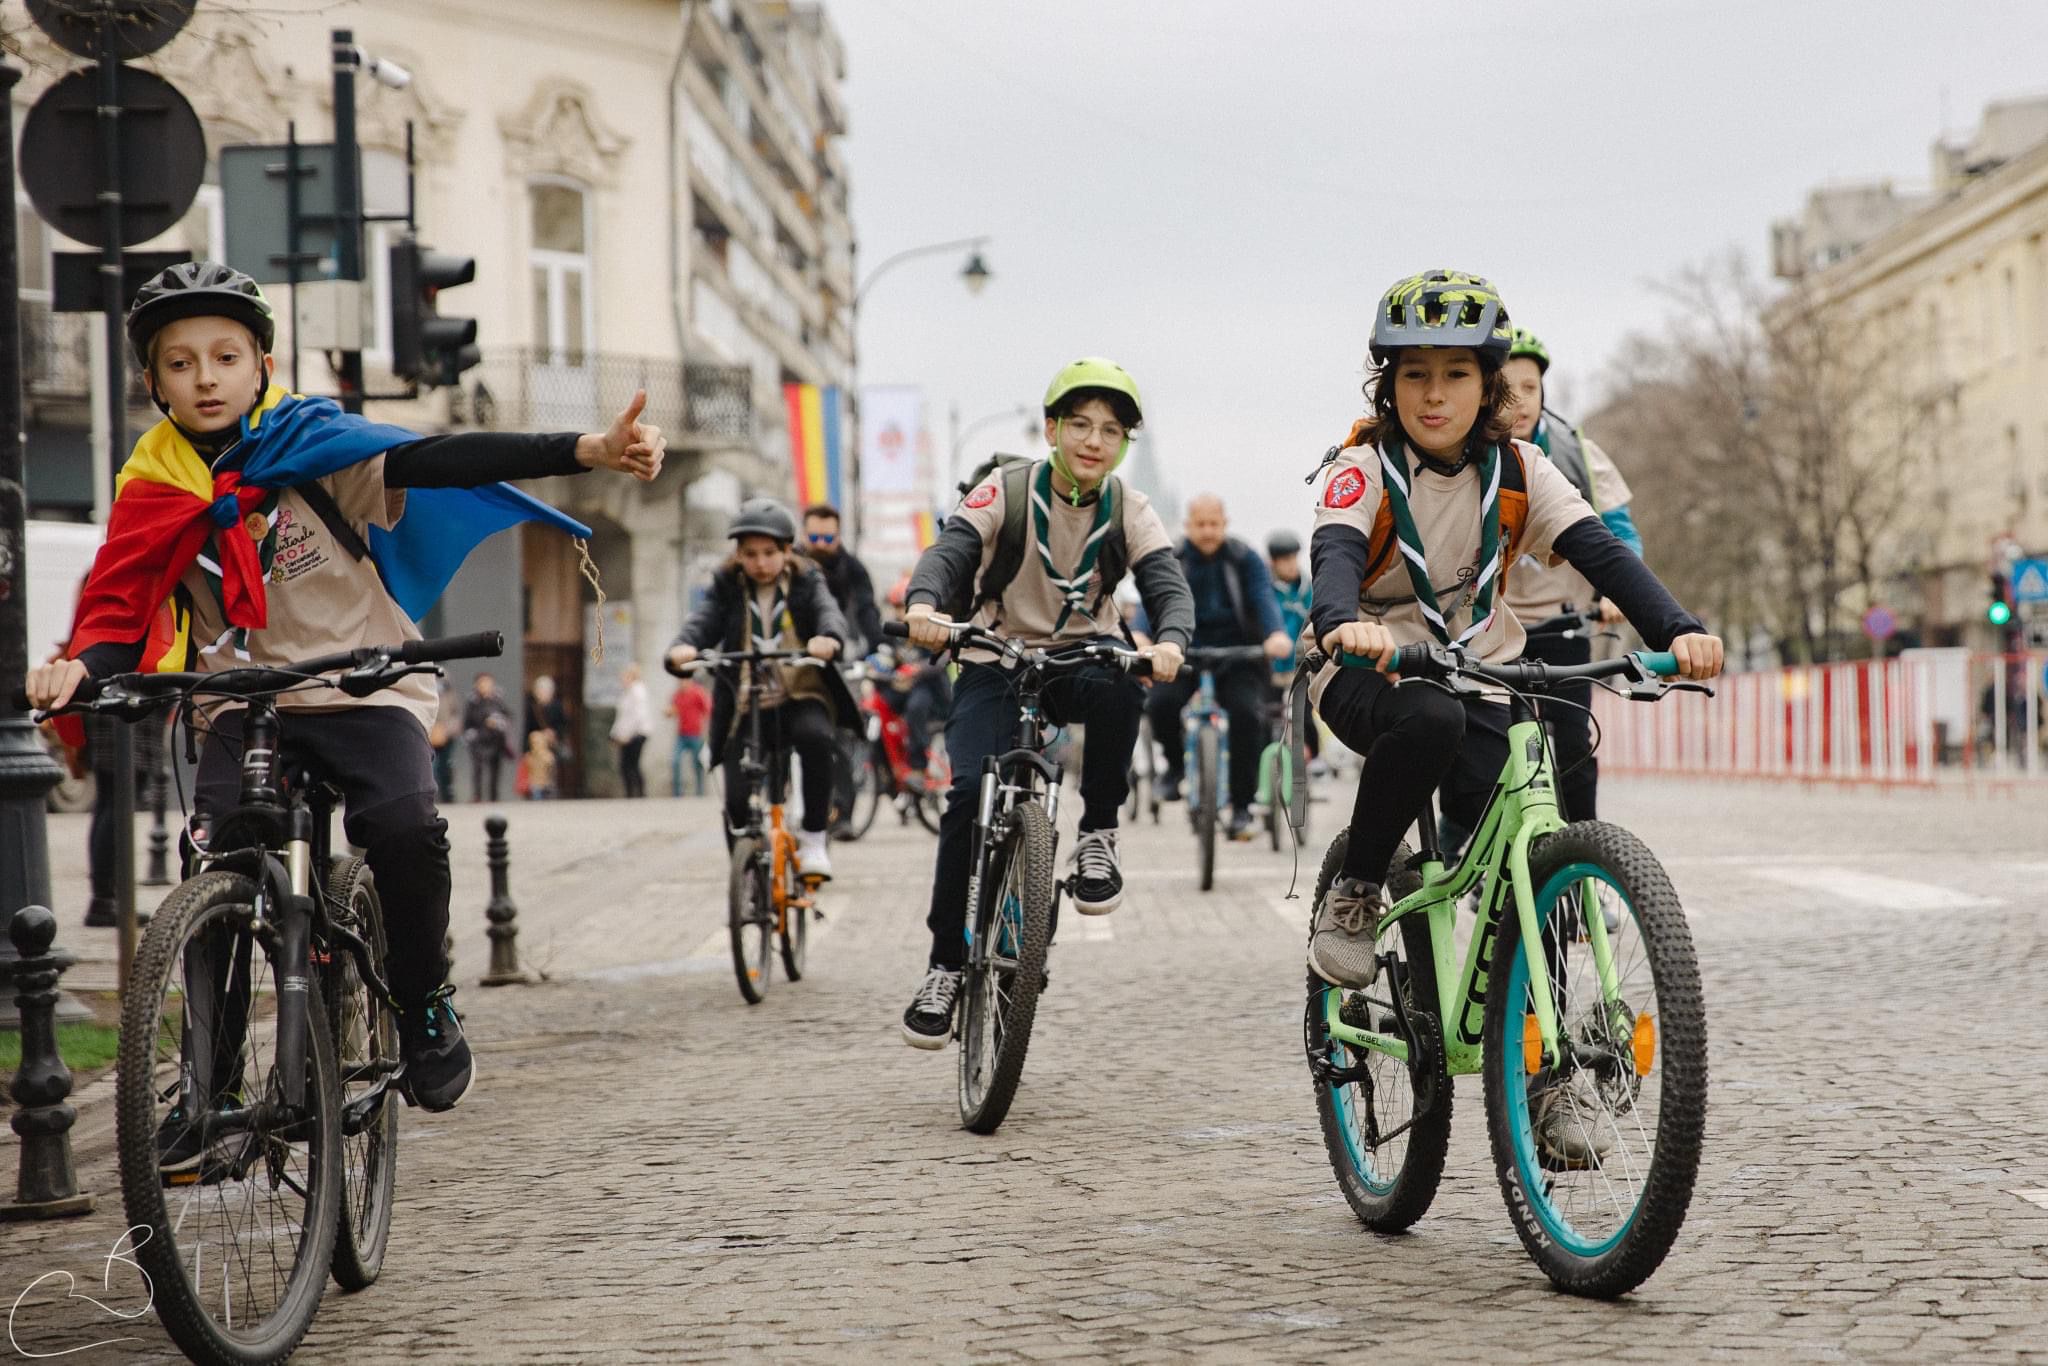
x=1345 y=489
x=982 y=496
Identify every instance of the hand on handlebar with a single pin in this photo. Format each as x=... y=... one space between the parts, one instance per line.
x=1279 y=645
x=681 y=656
x=821 y=647
x=1699 y=655
x=1367 y=639
x=1166 y=660
x=1610 y=612
x=50 y=685
x=927 y=627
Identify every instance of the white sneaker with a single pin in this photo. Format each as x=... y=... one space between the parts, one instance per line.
x=813 y=855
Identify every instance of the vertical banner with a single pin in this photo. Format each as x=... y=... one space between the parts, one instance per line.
x=924 y=529
x=815 y=440
x=892 y=424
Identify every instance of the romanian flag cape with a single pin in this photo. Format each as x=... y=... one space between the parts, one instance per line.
x=171 y=509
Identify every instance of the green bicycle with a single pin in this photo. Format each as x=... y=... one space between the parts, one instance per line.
x=1579 y=1001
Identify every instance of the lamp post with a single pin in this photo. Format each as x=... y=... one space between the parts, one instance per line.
x=1021 y=412
x=975 y=274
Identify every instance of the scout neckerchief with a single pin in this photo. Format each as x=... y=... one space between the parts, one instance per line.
x=1394 y=464
x=766 y=625
x=259 y=525
x=1071 y=587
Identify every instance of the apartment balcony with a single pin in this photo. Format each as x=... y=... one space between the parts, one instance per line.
x=696 y=404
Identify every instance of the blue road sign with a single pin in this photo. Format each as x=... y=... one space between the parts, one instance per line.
x=2030 y=581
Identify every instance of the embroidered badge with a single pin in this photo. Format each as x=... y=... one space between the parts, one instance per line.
x=982 y=496
x=1346 y=488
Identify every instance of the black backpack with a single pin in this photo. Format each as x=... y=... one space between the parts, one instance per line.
x=1014 y=536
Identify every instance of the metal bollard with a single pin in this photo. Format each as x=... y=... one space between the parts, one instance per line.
x=505 y=970
x=48 y=1185
x=159 y=874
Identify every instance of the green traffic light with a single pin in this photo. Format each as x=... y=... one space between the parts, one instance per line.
x=1998 y=613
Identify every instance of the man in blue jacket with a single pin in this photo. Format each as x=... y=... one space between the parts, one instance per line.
x=1234 y=605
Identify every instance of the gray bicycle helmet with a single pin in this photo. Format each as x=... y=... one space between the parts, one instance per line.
x=198 y=289
x=1442 y=308
x=763 y=517
x=1282 y=543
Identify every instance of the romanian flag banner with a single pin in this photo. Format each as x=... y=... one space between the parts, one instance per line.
x=925 y=528
x=816 y=443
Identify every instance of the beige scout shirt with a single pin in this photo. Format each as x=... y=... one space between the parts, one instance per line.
x=1537 y=590
x=1446 y=511
x=1031 y=605
x=321 y=599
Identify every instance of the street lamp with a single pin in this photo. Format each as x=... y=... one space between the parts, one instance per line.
x=1023 y=412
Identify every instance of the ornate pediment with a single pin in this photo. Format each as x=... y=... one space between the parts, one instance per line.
x=559 y=133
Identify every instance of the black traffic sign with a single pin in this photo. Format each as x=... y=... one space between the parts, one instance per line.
x=163 y=156
x=136 y=27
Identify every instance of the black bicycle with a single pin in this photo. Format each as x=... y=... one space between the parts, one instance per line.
x=767 y=900
x=259 y=1048
x=1013 y=890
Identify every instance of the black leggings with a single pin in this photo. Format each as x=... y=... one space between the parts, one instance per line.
x=802 y=724
x=1571 y=727
x=1415 y=739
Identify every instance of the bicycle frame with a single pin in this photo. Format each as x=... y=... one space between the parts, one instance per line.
x=1204 y=710
x=1522 y=809
x=755 y=766
x=1020 y=775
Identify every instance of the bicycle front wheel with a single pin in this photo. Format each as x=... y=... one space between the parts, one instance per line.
x=938 y=781
x=1207 y=756
x=1386 y=1123
x=1598 y=1151
x=856 y=789
x=366 y=1059
x=750 y=916
x=1005 y=970
x=236 y=1198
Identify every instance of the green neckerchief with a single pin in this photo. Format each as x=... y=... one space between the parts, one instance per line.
x=236 y=639
x=1394 y=465
x=1072 y=587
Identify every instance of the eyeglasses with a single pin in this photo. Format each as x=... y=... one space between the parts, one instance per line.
x=822 y=537
x=1112 y=433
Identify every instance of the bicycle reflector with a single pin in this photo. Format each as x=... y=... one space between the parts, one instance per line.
x=1643 y=1044
x=1532 y=1044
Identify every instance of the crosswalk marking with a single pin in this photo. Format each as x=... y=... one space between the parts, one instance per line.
x=1873 y=889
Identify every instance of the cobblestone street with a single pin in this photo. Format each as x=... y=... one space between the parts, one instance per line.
x=650 y=1170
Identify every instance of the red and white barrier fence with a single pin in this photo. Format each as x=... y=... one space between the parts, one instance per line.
x=1915 y=719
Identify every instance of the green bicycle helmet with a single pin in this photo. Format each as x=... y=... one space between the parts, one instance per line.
x=1093 y=372
x=198 y=289
x=1525 y=343
x=1441 y=308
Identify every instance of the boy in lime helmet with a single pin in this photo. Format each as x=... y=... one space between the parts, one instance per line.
x=1538 y=591
x=1034 y=552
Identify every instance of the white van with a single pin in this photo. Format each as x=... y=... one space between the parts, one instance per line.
x=59 y=555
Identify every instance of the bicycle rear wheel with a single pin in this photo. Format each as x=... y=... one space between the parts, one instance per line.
x=1141 y=772
x=366 y=1058
x=237 y=1202
x=1005 y=970
x=750 y=916
x=794 y=936
x=1597 y=1155
x=856 y=789
x=1206 y=757
x=1388 y=1177
x=938 y=780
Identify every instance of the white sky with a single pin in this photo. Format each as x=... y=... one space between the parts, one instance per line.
x=1215 y=194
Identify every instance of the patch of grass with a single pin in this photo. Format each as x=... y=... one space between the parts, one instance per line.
x=85 y=1047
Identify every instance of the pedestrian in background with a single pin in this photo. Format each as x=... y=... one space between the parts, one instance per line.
x=441 y=737
x=536 y=777
x=629 y=730
x=691 y=707
x=487 y=730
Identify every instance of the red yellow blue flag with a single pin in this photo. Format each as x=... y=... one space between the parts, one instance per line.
x=816 y=444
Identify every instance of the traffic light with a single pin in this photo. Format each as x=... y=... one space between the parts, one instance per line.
x=427 y=347
x=1999 y=610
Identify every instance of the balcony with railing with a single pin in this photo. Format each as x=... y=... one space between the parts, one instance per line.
x=695 y=403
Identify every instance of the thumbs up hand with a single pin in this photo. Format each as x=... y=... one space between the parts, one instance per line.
x=629 y=446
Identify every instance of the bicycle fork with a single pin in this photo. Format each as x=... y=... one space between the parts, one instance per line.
x=291 y=885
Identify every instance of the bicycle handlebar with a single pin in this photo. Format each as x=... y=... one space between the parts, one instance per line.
x=1569 y=623
x=960 y=633
x=1439 y=661
x=711 y=659
x=1222 y=656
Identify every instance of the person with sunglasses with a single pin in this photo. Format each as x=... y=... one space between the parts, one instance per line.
x=845 y=575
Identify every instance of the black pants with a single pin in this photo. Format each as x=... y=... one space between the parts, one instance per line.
x=1571 y=727
x=629 y=766
x=486 y=758
x=380 y=759
x=1242 y=690
x=984 y=722
x=803 y=724
x=1415 y=740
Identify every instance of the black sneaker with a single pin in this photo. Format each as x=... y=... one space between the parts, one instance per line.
x=438 y=1067
x=179 y=1149
x=99 y=913
x=928 y=1023
x=1240 y=824
x=1098 y=877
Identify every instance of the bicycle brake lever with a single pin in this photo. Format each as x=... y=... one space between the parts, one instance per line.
x=1687 y=685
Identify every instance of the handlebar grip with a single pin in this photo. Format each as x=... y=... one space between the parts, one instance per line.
x=896 y=630
x=1662 y=663
x=1345 y=659
x=478 y=645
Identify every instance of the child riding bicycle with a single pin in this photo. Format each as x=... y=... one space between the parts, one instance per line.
x=1034 y=553
x=256 y=527
x=766 y=598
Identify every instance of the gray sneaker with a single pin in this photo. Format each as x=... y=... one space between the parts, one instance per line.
x=1343 y=948
x=1571 y=1122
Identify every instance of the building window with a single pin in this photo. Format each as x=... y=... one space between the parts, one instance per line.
x=560 y=271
